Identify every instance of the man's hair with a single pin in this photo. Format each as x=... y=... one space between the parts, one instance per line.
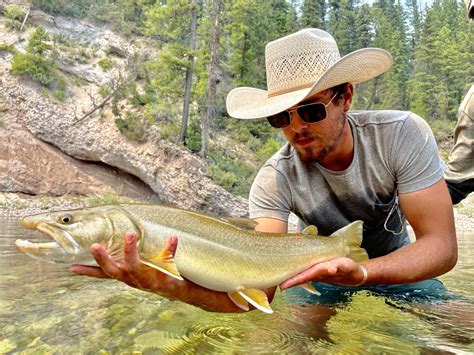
x=340 y=89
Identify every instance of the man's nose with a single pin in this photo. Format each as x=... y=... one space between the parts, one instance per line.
x=296 y=123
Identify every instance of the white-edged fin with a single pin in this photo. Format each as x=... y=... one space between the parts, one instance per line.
x=238 y=300
x=256 y=298
x=164 y=262
x=310 y=288
x=311 y=230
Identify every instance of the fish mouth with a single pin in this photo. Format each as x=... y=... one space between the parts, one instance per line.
x=63 y=241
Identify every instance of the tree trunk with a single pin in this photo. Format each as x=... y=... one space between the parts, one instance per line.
x=189 y=75
x=209 y=101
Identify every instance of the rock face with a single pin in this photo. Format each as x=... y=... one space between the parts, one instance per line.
x=45 y=149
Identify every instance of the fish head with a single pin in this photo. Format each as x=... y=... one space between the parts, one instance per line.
x=74 y=231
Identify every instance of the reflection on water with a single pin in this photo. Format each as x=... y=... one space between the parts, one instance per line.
x=46 y=309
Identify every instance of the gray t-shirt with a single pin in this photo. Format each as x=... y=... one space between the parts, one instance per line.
x=393 y=151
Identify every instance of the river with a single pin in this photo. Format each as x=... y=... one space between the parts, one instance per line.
x=46 y=309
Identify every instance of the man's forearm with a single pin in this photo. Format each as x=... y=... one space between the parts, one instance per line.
x=428 y=257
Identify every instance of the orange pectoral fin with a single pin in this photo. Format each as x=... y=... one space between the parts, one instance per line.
x=164 y=262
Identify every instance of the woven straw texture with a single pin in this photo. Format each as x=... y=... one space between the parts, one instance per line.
x=301 y=65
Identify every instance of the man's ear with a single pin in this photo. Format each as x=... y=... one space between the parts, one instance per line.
x=347 y=97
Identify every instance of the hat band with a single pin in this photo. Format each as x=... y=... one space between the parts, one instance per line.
x=294 y=88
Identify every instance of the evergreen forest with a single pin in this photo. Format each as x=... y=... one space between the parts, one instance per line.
x=207 y=47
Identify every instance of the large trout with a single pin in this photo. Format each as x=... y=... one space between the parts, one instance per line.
x=222 y=254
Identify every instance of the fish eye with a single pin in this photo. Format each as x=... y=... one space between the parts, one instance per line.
x=65 y=218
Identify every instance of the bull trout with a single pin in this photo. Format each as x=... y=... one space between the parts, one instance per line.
x=222 y=254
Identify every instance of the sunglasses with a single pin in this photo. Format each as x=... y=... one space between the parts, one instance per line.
x=308 y=113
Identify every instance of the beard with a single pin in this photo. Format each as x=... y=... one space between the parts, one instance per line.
x=322 y=144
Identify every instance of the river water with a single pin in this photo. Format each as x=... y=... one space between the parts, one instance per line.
x=45 y=309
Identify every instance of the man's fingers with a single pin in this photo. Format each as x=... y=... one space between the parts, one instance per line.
x=314 y=273
x=131 y=257
x=105 y=261
x=92 y=271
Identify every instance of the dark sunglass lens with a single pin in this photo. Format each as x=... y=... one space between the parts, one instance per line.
x=280 y=120
x=312 y=113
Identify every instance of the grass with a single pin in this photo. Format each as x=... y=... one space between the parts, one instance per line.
x=106 y=198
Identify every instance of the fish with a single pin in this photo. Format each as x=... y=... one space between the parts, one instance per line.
x=224 y=254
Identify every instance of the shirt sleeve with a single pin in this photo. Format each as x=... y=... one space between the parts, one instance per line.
x=417 y=164
x=270 y=195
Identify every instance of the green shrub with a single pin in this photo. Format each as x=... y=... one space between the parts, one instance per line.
x=169 y=130
x=132 y=126
x=106 y=64
x=232 y=173
x=37 y=42
x=193 y=139
x=14 y=15
x=34 y=67
x=106 y=198
x=79 y=81
x=104 y=91
x=13 y=12
x=7 y=48
x=269 y=148
x=60 y=89
x=77 y=8
x=223 y=178
x=442 y=129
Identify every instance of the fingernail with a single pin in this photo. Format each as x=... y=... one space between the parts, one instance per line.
x=129 y=238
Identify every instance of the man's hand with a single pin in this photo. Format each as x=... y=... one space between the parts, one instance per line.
x=131 y=270
x=339 y=271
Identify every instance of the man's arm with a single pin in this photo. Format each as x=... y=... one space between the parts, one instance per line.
x=135 y=274
x=429 y=211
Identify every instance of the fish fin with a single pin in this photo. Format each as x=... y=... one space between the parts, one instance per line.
x=256 y=298
x=311 y=230
x=164 y=262
x=352 y=234
x=238 y=300
x=243 y=223
x=310 y=288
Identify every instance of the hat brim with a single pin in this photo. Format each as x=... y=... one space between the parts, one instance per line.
x=355 y=67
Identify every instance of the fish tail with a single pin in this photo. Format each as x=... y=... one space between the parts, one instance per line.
x=352 y=234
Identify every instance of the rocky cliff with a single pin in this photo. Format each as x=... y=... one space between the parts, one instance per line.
x=45 y=148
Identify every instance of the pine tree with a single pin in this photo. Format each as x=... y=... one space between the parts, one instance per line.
x=442 y=62
x=172 y=71
x=313 y=14
x=390 y=34
x=209 y=109
x=342 y=24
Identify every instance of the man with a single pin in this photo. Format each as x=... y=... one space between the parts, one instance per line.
x=460 y=173
x=337 y=167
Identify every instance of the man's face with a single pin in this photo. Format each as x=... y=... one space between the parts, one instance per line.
x=314 y=141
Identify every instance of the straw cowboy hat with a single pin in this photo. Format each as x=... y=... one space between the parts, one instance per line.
x=301 y=65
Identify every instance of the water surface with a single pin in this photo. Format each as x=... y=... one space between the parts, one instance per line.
x=46 y=309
